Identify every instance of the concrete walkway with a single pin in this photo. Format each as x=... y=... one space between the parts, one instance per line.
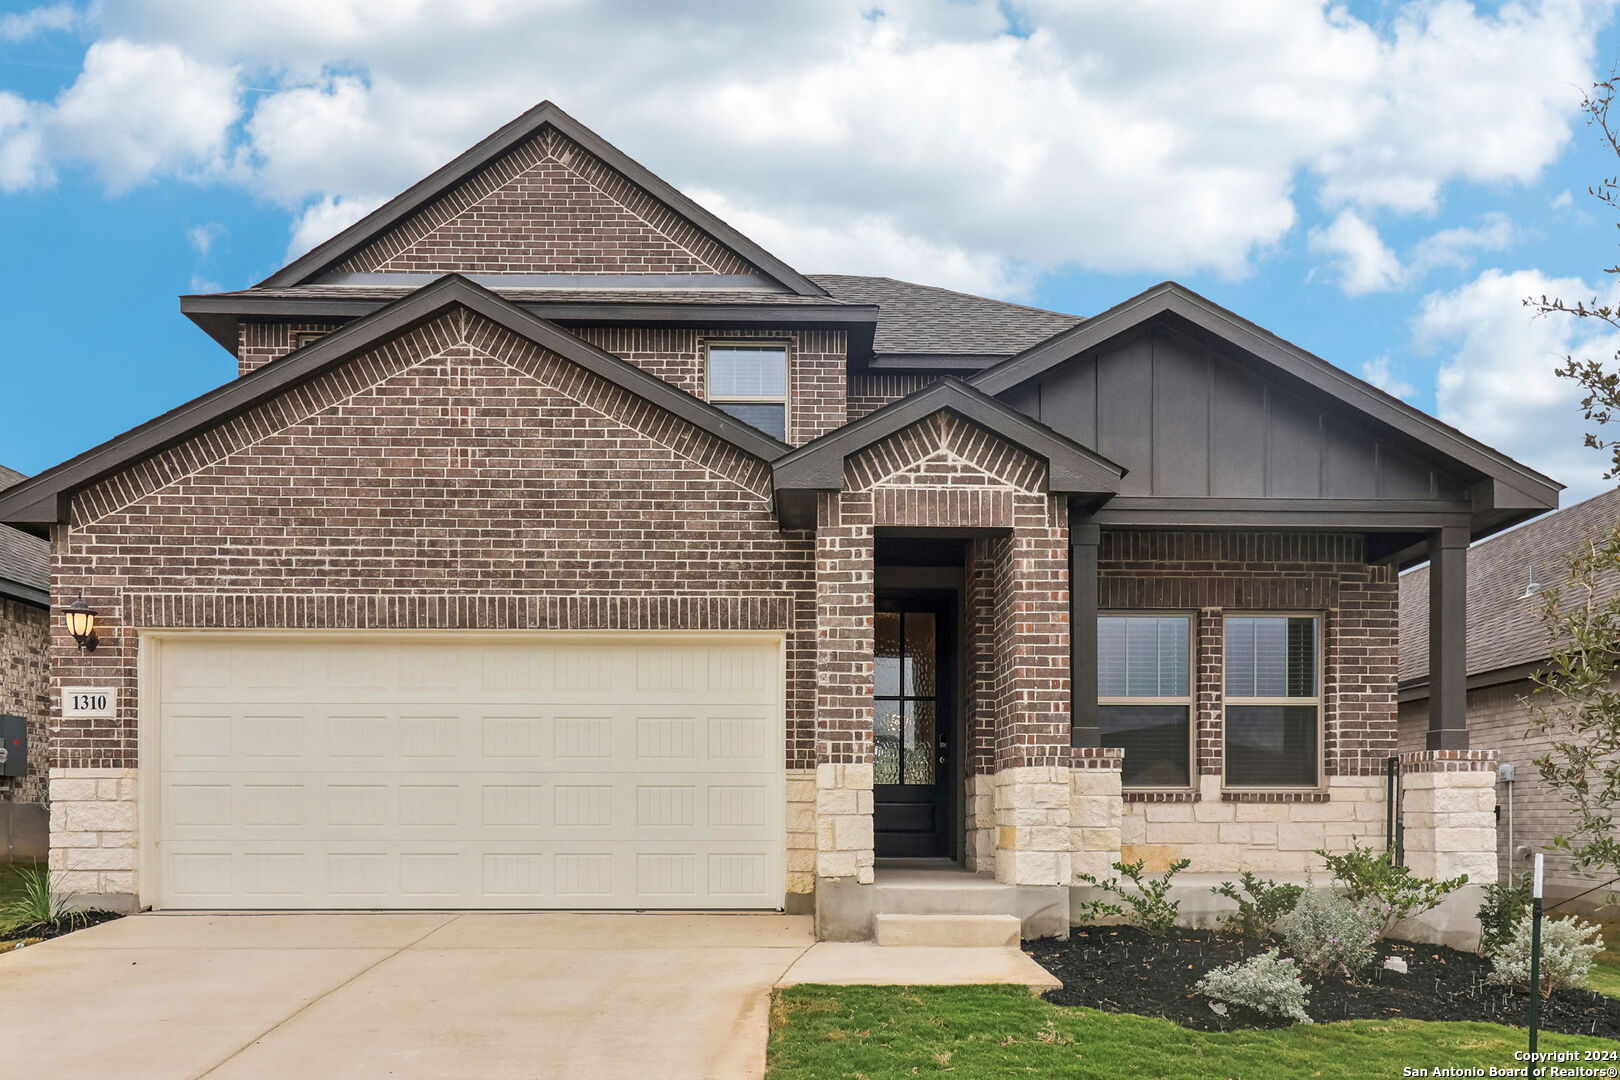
x=365 y=995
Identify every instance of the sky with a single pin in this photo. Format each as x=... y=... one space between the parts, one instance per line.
x=1381 y=182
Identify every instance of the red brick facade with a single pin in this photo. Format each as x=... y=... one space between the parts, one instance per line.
x=547 y=206
x=1208 y=573
x=24 y=691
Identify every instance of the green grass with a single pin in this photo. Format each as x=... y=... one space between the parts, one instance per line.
x=875 y=1032
x=11 y=883
x=1606 y=970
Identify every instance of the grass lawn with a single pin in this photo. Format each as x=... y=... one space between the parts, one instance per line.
x=10 y=884
x=1606 y=971
x=875 y=1032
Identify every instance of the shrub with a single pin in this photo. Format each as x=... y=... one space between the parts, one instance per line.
x=1369 y=876
x=36 y=904
x=1505 y=903
x=1331 y=934
x=1260 y=903
x=1150 y=905
x=1567 y=949
x=1266 y=984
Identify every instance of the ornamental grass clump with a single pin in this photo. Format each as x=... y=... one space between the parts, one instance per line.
x=1568 y=947
x=1331 y=935
x=1266 y=984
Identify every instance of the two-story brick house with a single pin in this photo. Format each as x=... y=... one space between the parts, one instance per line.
x=559 y=547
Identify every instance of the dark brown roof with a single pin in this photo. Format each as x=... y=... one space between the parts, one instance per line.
x=923 y=319
x=25 y=561
x=1503 y=630
x=316 y=291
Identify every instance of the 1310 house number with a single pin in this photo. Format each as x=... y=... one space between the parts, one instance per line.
x=89 y=701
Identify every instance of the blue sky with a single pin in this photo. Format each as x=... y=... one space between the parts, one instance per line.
x=1379 y=183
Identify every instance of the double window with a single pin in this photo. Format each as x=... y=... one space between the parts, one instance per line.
x=750 y=382
x=1144 y=696
x=1273 y=700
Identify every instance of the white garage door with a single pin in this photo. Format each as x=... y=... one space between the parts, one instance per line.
x=567 y=771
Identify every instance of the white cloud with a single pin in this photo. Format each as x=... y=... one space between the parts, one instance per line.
x=22 y=25
x=1166 y=136
x=325 y=218
x=203 y=237
x=1381 y=373
x=1360 y=259
x=1496 y=378
x=23 y=162
x=1458 y=247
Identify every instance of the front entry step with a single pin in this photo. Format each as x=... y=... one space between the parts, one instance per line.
x=956 y=931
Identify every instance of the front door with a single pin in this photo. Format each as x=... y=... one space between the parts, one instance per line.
x=914 y=715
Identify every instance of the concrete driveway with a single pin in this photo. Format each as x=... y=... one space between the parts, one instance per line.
x=400 y=995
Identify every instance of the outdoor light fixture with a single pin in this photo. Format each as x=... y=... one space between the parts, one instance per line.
x=81 y=623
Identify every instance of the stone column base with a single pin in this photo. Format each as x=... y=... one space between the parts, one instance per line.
x=93 y=837
x=1096 y=809
x=1032 y=825
x=981 y=823
x=1448 y=813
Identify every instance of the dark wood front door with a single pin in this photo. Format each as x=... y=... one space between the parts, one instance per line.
x=914 y=678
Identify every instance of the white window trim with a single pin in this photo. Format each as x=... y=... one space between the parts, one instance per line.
x=785 y=399
x=1190 y=700
x=1319 y=701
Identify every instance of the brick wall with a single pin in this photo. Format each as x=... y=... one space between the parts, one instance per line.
x=816 y=361
x=457 y=477
x=547 y=206
x=1207 y=575
x=25 y=634
x=869 y=392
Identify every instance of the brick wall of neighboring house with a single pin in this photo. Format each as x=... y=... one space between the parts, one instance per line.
x=816 y=383
x=1499 y=719
x=25 y=634
x=383 y=494
x=546 y=206
x=869 y=392
x=1210 y=573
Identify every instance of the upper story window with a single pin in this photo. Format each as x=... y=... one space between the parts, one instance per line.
x=1273 y=701
x=1145 y=697
x=750 y=383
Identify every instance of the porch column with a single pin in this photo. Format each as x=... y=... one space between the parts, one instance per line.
x=1084 y=538
x=1448 y=639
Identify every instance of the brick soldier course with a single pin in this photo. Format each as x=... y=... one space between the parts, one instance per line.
x=484 y=408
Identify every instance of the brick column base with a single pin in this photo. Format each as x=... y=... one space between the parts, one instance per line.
x=1448 y=813
x=1032 y=825
x=1096 y=809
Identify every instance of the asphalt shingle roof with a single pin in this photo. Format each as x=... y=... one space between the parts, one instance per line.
x=922 y=319
x=1503 y=628
x=24 y=559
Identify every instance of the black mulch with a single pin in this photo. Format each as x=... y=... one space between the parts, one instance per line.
x=57 y=927
x=1126 y=970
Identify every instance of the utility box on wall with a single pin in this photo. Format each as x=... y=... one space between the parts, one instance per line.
x=13 y=746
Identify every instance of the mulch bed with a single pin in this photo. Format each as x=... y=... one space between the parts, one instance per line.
x=1126 y=970
x=56 y=928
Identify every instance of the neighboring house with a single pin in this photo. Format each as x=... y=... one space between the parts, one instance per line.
x=1506 y=644
x=558 y=546
x=25 y=641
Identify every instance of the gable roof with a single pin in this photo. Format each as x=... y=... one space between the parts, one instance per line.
x=1503 y=629
x=25 y=561
x=1506 y=491
x=819 y=465
x=924 y=326
x=37 y=502
x=327 y=255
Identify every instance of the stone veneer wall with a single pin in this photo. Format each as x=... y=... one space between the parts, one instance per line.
x=25 y=638
x=801 y=833
x=1448 y=813
x=1207 y=575
x=93 y=835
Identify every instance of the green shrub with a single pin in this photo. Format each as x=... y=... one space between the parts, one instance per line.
x=1150 y=905
x=1266 y=984
x=1260 y=903
x=1330 y=934
x=1370 y=877
x=1504 y=905
x=1568 y=947
x=37 y=904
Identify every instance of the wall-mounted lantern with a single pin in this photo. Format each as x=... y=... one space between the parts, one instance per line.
x=81 y=623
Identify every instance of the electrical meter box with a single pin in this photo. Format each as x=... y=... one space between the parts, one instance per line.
x=13 y=746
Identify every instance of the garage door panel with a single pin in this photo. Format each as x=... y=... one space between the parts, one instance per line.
x=604 y=774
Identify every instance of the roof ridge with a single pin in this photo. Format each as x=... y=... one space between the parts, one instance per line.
x=955 y=292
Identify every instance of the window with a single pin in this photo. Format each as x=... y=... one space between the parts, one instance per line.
x=907 y=707
x=1273 y=701
x=1144 y=696
x=750 y=383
